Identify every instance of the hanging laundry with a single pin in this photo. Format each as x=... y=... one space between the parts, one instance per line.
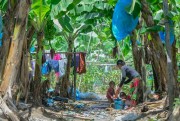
x=77 y=61
x=45 y=69
x=47 y=55
x=57 y=57
x=54 y=64
x=62 y=65
x=82 y=64
x=106 y=69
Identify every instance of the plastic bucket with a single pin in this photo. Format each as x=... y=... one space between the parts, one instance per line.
x=118 y=104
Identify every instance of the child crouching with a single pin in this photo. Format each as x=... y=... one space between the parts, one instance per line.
x=110 y=91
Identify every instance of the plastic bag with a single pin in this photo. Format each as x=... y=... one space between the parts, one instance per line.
x=123 y=23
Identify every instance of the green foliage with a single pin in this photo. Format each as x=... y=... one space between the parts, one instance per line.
x=156 y=28
x=39 y=10
x=134 y=9
x=65 y=23
x=153 y=1
x=177 y=101
x=3 y=5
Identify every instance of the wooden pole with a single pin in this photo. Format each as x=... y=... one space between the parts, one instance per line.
x=74 y=74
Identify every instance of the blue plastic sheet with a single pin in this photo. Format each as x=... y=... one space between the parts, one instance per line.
x=1 y=34
x=162 y=34
x=123 y=23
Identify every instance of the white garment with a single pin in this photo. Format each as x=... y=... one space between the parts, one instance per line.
x=106 y=69
x=48 y=56
x=62 y=67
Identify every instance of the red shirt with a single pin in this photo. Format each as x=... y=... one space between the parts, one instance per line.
x=110 y=92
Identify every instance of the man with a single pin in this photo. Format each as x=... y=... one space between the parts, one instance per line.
x=133 y=77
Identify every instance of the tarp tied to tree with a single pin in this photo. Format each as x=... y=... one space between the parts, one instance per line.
x=123 y=23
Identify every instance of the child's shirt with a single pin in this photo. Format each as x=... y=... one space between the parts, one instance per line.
x=110 y=92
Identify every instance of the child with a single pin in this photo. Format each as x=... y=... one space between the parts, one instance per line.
x=126 y=99
x=110 y=91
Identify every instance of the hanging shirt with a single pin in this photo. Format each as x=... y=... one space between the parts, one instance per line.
x=57 y=57
x=82 y=64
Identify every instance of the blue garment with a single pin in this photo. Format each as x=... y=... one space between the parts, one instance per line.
x=162 y=34
x=32 y=49
x=54 y=64
x=123 y=23
x=45 y=69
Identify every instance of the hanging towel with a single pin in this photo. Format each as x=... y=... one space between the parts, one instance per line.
x=62 y=67
x=123 y=23
x=82 y=64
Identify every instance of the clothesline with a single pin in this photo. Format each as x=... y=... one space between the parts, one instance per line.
x=101 y=64
x=61 y=52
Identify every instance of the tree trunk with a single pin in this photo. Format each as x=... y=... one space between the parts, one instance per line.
x=175 y=67
x=30 y=34
x=158 y=53
x=170 y=74
x=37 y=78
x=14 y=54
x=65 y=80
x=13 y=59
x=7 y=112
x=7 y=35
x=137 y=58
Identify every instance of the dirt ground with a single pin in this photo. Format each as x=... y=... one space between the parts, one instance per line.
x=99 y=111
x=96 y=111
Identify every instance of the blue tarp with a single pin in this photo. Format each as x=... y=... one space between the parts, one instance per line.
x=1 y=34
x=162 y=34
x=123 y=23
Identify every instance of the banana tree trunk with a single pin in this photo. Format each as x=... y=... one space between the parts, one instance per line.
x=175 y=67
x=7 y=36
x=37 y=78
x=158 y=53
x=137 y=58
x=14 y=55
x=170 y=74
x=65 y=80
